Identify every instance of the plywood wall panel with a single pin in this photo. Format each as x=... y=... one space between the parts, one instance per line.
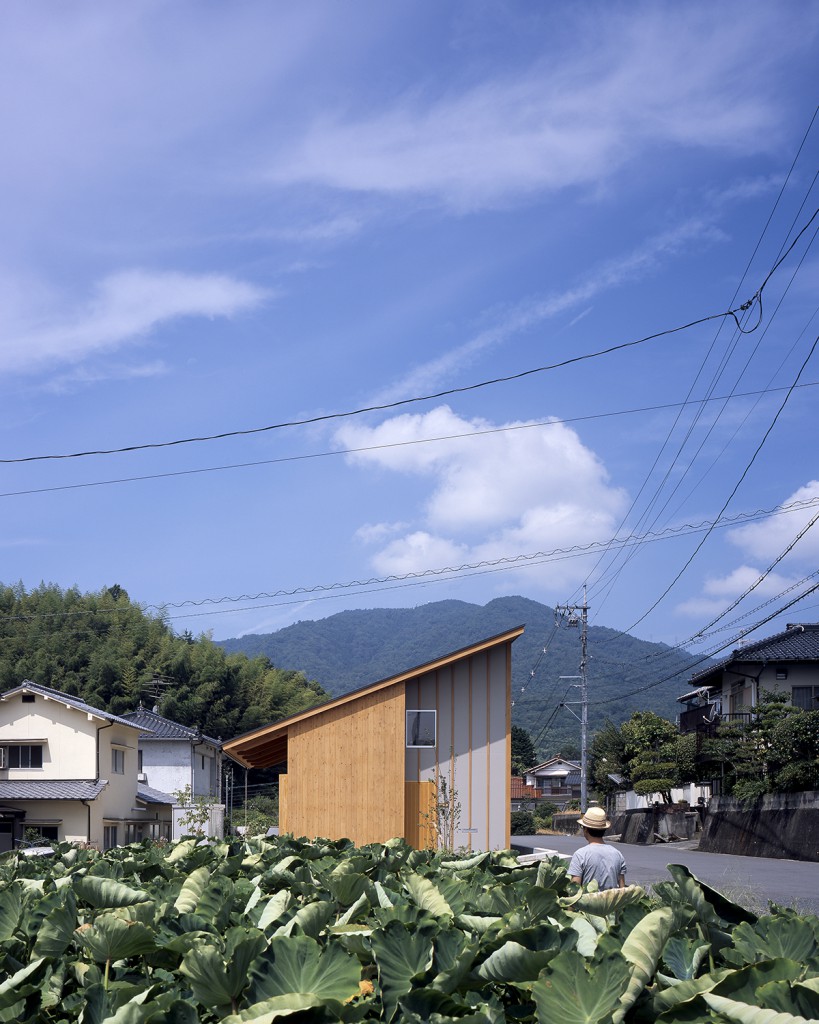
x=346 y=770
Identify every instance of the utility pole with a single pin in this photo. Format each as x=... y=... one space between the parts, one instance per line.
x=571 y=611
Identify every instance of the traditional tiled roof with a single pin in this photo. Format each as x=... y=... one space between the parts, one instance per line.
x=798 y=642
x=27 y=686
x=156 y=727
x=520 y=791
x=154 y=796
x=557 y=760
x=42 y=789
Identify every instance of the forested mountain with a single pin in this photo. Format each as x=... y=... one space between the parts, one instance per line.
x=107 y=650
x=354 y=648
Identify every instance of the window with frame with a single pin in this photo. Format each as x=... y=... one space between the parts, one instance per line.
x=25 y=755
x=805 y=697
x=109 y=836
x=421 y=728
x=117 y=761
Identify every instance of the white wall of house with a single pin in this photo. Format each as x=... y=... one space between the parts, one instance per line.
x=171 y=765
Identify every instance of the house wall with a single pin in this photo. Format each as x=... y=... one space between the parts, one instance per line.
x=71 y=739
x=68 y=735
x=740 y=687
x=473 y=747
x=345 y=771
x=167 y=765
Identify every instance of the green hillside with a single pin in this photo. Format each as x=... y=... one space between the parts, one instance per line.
x=354 y=648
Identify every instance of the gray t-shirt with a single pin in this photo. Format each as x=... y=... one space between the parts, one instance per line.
x=598 y=861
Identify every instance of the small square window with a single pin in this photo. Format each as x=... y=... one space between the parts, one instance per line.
x=421 y=728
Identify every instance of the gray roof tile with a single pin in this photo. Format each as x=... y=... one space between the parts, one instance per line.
x=154 y=796
x=156 y=727
x=799 y=642
x=42 y=789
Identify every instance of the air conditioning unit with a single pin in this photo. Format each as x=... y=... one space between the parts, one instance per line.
x=142 y=777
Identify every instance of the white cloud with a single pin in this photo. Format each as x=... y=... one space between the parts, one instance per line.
x=377 y=533
x=768 y=538
x=763 y=542
x=125 y=308
x=671 y=77
x=506 y=492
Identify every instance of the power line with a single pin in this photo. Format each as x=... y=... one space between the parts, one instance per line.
x=394 y=444
x=756 y=299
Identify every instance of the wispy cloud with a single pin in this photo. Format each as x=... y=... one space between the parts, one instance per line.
x=630 y=266
x=125 y=308
x=575 y=122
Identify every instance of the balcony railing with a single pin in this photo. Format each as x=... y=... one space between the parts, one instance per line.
x=706 y=719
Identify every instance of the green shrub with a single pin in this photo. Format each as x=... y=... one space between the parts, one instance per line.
x=523 y=823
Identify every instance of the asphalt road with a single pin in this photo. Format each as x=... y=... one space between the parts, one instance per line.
x=750 y=881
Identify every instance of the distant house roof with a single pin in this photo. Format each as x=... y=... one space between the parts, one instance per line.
x=154 y=796
x=42 y=789
x=797 y=642
x=27 y=686
x=267 y=746
x=557 y=762
x=156 y=727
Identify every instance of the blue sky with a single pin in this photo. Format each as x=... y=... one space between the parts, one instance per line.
x=220 y=217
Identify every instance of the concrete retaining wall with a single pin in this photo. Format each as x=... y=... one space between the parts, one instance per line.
x=783 y=825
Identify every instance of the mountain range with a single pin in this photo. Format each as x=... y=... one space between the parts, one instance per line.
x=354 y=648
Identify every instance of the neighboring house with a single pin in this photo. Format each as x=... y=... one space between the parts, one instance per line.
x=556 y=780
x=373 y=764
x=69 y=771
x=523 y=797
x=787 y=662
x=173 y=758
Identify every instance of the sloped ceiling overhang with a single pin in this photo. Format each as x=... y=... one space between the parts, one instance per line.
x=267 y=746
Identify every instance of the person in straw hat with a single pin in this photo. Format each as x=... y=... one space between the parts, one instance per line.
x=598 y=862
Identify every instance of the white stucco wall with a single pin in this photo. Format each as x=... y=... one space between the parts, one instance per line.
x=166 y=765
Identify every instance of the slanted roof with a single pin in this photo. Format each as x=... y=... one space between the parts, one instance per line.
x=156 y=727
x=42 y=789
x=797 y=642
x=267 y=746
x=154 y=796
x=67 y=699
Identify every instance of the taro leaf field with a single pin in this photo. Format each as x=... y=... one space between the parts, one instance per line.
x=274 y=929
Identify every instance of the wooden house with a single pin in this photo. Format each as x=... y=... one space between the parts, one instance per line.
x=423 y=754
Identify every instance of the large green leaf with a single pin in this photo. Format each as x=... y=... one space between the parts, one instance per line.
x=192 y=889
x=402 y=958
x=57 y=928
x=11 y=902
x=426 y=895
x=297 y=964
x=790 y=936
x=744 y=1013
x=605 y=901
x=308 y=920
x=711 y=906
x=104 y=893
x=273 y=909
x=279 y=1006
x=515 y=963
x=111 y=938
x=643 y=948
x=791 y=998
x=22 y=983
x=569 y=993
x=684 y=956
x=218 y=977
x=685 y=991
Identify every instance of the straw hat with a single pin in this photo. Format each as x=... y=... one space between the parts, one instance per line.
x=595 y=817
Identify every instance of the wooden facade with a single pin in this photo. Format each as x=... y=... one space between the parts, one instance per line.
x=350 y=773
